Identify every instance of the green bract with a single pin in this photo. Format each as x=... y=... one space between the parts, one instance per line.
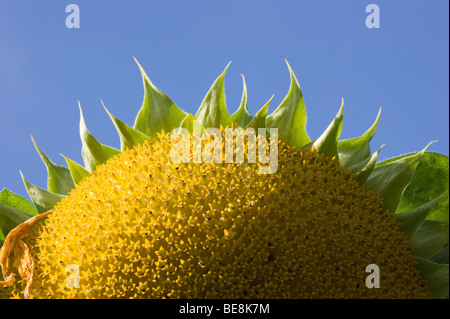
x=413 y=186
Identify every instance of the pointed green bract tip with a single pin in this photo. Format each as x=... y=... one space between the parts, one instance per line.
x=242 y=117
x=59 y=180
x=327 y=143
x=364 y=168
x=426 y=147
x=94 y=153
x=291 y=72
x=259 y=121
x=355 y=150
x=290 y=116
x=390 y=180
x=158 y=111
x=146 y=80
x=84 y=132
x=129 y=137
x=213 y=111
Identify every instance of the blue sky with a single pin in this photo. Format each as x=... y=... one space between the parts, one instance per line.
x=45 y=68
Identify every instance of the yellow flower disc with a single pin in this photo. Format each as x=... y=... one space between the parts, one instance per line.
x=144 y=227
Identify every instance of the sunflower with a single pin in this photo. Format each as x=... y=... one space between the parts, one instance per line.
x=283 y=216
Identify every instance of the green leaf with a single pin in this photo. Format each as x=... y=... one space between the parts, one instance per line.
x=363 y=169
x=436 y=276
x=430 y=238
x=410 y=221
x=77 y=171
x=59 y=180
x=92 y=151
x=438 y=284
x=213 y=111
x=158 y=111
x=44 y=200
x=290 y=116
x=242 y=117
x=431 y=178
x=390 y=180
x=10 y=199
x=441 y=257
x=355 y=150
x=327 y=143
x=14 y=210
x=427 y=267
x=129 y=137
x=259 y=121
x=10 y=217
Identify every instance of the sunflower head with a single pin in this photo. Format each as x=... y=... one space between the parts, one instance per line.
x=214 y=205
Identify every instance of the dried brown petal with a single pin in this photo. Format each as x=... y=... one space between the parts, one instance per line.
x=23 y=261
